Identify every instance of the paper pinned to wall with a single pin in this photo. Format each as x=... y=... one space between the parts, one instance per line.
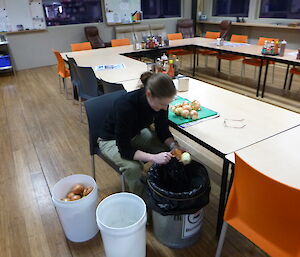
x=121 y=11
x=25 y=15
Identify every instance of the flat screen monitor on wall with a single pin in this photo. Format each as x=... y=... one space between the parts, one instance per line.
x=66 y=12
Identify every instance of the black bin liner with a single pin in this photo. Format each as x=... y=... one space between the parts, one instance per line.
x=175 y=189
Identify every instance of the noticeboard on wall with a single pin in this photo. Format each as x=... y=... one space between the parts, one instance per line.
x=122 y=11
x=21 y=15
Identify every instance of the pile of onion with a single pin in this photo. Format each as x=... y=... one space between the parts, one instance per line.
x=187 y=109
x=77 y=192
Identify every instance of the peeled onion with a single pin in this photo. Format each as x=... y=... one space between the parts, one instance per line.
x=186 y=158
x=185 y=113
x=178 y=111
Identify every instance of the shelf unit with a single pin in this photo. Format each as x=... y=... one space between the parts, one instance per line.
x=5 y=56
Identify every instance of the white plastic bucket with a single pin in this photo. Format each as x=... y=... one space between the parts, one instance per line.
x=122 y=220
x=78 y=217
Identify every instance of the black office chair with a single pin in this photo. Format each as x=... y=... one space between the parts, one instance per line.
x=96 y=110
x=74 y=76
x=109 y=87
x=87 y=86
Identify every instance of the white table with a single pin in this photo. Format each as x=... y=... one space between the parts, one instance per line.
x=276 y=157
x=107 y=56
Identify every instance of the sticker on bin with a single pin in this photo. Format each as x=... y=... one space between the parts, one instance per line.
x=192 y=223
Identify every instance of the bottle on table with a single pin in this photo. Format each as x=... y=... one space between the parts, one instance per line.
x=171 y=71
x=282 y=48
x=164 y=60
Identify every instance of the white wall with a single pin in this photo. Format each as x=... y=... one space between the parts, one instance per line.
x=33 y=49
x=291 y=35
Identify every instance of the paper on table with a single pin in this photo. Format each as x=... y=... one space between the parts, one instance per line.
x=231 y=44
x=110 y=67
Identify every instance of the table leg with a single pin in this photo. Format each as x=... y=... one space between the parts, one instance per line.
x=194 y=67
x=259 y=77
x=222 y=196
x=219 y=65
x=265 y=80
x=230 y=182
x=286 y=76
x=291 y=79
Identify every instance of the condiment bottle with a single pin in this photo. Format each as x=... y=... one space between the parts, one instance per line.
x=282 y=47
x=171 y=71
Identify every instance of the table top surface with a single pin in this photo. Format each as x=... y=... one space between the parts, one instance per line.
x=134 y=68
x=262 y=120
x=108 y=56
x=276 y=157
x=247 y=49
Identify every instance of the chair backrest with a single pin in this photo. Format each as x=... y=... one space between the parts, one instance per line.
x=239 y=39
x=73 y=71
x=109 y=87
x=225 y=26
x=262 y=40
x=175 y=36
x=81 y=46
x=213 y=35
x=264 y=210
x=186 y=28
x=61 y=68
x=92 y=35
x=87 y=86
x=120 y=42
x=97 y=109
x=74 y=76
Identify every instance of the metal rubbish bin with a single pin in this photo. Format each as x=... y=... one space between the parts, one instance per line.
x=177 y=231
x=177 y=194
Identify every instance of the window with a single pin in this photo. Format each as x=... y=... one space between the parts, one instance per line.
x=232 y=8
x=65 y=12
x=153 y=9
x=289 y=9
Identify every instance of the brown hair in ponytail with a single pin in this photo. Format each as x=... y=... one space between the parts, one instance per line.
x=159 y=84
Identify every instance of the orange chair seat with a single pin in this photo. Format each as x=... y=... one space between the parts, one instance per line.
x=229 y=57
x=256 y=62
x=206 y=52
x=295 y=71
x=64 y=74
x=179 y=52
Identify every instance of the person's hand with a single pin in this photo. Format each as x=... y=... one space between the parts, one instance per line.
x=162 y=158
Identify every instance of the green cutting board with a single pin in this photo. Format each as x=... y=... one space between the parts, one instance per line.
x=179 y=120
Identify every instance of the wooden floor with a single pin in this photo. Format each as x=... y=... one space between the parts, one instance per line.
x=42 y=141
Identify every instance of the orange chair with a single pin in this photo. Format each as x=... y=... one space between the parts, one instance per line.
x=206 y=53
x=120 y=42
x=81 y=46
x=62 y=71
x=293 y=71
x=256 y=62
x=263 y=210
x=233 y=57
x=178 y=52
